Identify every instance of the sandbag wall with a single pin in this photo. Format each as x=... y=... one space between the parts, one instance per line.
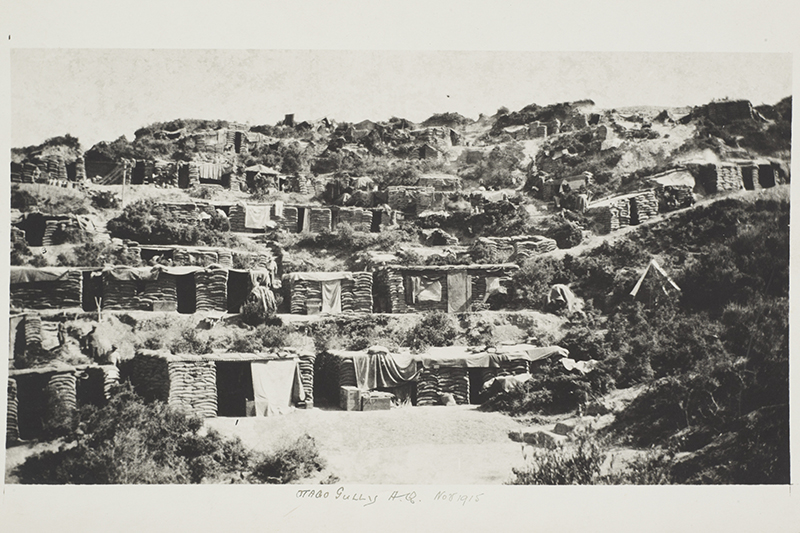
x=320 y=219
x=12 y=417
x=729 y=178
x=435 y=381
x=358 y=218
x=306 y=364
x=33 y=333
x=534 y=247
x=130 y=295
x=65 y=292
x=356 y=294
x=392 y=286
x=186 y=257
x=110 y=379
x=211 y=290
x=193 y=386
x=62 y=400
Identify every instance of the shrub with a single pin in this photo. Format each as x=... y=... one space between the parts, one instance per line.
x=580 y=466
x=105 y=200
x=149 y=223
x=289 y=463
x=128 y=441
x=435 y=329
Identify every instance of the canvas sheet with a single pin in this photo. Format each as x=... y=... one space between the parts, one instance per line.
x=459 y=291
x=383 y=370
x=31 y=275
x=276 y=384
x=256 y=216
x=332 y=296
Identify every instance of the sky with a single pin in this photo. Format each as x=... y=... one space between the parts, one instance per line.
x=100 y=94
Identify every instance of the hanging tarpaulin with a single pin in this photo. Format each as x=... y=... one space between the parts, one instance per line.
x=459 y=291
x=383 y=370
x=276 y=385
x=332 y=296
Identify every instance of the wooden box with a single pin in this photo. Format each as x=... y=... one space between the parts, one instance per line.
x=349 y=399
x=376 y=401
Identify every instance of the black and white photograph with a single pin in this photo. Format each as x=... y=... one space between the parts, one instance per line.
x=359 y=275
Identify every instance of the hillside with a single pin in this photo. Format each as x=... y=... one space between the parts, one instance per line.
x=651 y=243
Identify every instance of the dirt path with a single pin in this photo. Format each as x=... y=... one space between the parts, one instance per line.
x=449 y=445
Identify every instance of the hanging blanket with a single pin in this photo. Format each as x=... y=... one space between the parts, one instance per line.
x=332 y=296
x=276 y=384
x=256 y=216
x=459 y=291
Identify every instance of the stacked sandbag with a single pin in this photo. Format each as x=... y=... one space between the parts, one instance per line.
x=63 y=293
x=211 y=289
x=729 y=178
x=33 y=333
x=80 y=169
x=347 y=372
x=358 y=218
x=193 y=386
x=29 y=173
x=288 y=221
x=646 y=205
x=456 y=382
x=12 y=418
x=538 y=245
x=225 y=258
x=236 y=218
x=162 y=289
x=348 y=297
x=299 y=289
x=110 y=379
x=194 y=174
x=362 y=292
x=119 y=294
x=397 y=295
x=306 y=364
x=428 y=387
x=313 y=295
x=624 y=211
x=320 y=219
x=62 y=395
x=50 y=227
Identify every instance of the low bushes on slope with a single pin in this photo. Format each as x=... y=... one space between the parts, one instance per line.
x=149 y=223
x=131 y=442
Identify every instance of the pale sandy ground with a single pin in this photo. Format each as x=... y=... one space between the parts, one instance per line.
x=419 y=445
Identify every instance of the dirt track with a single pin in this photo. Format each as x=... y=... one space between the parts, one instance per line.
x=420 y=445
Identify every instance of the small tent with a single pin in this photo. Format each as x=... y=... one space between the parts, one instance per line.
x=654 y=269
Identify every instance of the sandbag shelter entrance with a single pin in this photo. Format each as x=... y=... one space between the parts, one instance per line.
x=222 y=384
x=451 y=288
x=330 y=292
